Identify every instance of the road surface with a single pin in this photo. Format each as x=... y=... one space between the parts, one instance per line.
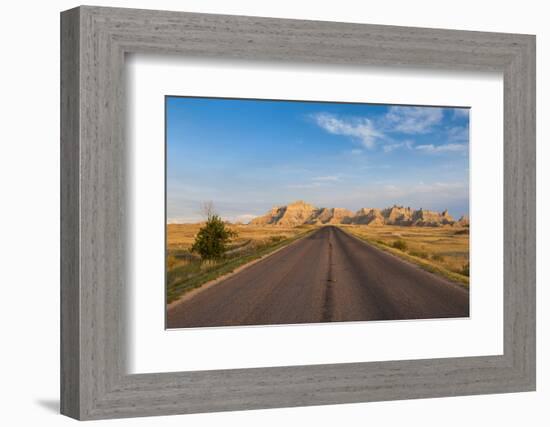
x=328 y=276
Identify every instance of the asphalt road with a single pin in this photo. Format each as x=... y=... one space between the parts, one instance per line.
x=328 y=276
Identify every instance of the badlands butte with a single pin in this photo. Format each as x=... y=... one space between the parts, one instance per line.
x=302 y=213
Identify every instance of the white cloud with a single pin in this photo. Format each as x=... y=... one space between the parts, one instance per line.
x=408 y=120
x=413 y=119
x=446 y=148
x=388 y=148
x=362 y=129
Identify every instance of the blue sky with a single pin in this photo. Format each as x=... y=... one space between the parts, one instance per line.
x=249 y=155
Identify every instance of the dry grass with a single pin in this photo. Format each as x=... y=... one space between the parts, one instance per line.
x=443 y=250
x=182 y=236
x=186 y=271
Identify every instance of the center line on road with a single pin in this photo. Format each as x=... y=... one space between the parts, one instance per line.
x=328 y=300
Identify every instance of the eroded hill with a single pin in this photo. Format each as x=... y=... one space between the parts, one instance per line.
x=300 y=212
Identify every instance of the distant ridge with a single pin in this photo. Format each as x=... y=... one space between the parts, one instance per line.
x=300 y=212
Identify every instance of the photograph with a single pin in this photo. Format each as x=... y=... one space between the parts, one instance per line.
x=291 y=212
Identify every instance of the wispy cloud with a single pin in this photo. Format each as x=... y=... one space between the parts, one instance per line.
x=446 y=148
x=388 y=148
x=413 y=120
x=370 y=132
x=360 y=128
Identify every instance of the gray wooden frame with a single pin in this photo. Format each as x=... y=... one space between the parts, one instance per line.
x=94 y=41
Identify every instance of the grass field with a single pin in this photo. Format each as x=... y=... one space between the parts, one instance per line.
x=441 y=250
x=186 y=271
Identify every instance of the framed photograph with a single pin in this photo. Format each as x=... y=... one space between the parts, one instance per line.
x=262 y=213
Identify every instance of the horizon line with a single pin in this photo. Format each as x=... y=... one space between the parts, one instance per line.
x=180 y=220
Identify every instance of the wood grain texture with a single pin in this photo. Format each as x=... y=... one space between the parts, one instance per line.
x=94 y=382
x=70 y=297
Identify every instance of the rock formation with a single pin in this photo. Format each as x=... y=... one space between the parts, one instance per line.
x=300 y=212
x=296 y=213
x=464 y=221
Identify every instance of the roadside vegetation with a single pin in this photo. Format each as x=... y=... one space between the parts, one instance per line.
x=212 y=240
x=441 y=250
x=200 y=253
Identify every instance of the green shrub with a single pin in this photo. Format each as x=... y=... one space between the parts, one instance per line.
x=400 y=244
x=212 y=239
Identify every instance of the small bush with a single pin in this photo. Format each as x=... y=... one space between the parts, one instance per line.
x=437 y=257
x=212 y=239
x=400 y=244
